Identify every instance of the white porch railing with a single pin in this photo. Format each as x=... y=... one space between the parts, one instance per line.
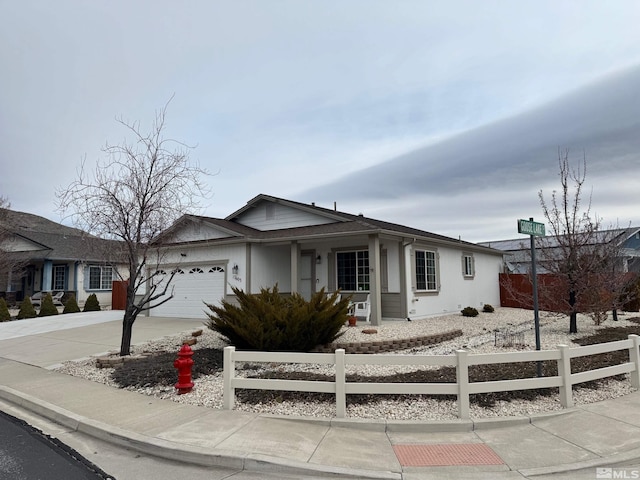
x=462 y=360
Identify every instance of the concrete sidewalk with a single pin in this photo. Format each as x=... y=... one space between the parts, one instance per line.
x=570 y=444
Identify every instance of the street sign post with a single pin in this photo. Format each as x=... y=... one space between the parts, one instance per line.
x=533 y=229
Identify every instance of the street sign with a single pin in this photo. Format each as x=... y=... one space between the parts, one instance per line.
x=529 y=227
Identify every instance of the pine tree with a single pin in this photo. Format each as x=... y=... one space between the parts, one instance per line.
x=92 y=304
x=71 y=305
x=5 y=316
x=48 y=308
x=26 y=309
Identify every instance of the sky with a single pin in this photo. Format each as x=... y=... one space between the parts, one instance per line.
x=441 y=115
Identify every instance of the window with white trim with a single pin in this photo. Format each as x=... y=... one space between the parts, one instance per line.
x=100 y=277
x=59 y=277
x=426 y=271
x=468 y=267
x=352 y=269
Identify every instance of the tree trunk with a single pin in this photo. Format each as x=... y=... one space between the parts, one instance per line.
x=615 y=314
x=573 y=321
x=127 y=330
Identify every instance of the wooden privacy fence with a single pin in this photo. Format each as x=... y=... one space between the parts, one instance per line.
x=462 y=360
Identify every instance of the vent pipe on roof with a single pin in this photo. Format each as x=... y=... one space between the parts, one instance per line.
x=313 y=204
x=335 y=206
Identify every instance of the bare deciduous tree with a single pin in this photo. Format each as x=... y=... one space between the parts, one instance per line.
x=586 y=259
x=142 y=188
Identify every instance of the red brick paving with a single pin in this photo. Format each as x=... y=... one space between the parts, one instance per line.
x=452 y=454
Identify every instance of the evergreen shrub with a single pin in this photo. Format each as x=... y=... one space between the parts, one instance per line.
x=270 y=322
x=92 y=304
x=469 y=312
x=47 y=307
x=71 y=305
x=5 y=316
x=488 y=308
x=26 y=309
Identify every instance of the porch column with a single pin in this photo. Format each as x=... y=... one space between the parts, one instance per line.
x=47 y=275
x=374 y=279
x=295 y=256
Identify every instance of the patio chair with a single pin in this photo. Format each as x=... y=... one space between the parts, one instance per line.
x=363 y=309
x=36 y=299
x=57 y=299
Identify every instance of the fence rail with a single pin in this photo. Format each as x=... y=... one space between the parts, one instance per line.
x=462 y=360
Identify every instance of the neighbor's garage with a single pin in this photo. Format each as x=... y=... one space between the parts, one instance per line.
x=191 y=287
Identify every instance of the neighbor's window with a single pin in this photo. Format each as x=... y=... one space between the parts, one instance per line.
x=100 y=278
x=353 y=270
x=59 y=277
x=468 y=269
x=426 y=271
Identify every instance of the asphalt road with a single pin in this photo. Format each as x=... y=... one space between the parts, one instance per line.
x=28 y=454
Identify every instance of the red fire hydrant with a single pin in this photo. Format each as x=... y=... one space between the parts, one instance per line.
x=184 y=364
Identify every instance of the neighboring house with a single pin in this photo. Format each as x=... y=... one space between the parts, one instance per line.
x=41 y=255
x=406 y=272
x=518 y=251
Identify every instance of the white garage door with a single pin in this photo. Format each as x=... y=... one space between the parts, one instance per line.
x=191 y=287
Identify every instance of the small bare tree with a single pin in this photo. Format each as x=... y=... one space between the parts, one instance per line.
x=12 y=263
x=142 y=188
x=585 y=259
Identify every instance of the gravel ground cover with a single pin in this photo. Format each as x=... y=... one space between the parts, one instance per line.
x=155 y=375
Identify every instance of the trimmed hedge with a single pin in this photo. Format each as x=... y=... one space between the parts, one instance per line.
x=71 y=305
x=5 y=316
x=469 y=312
x=92 y=304
x=26 y=309
x=47 y=307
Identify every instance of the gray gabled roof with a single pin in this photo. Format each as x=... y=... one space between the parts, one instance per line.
x=343 y=224
x=55 y=241
x=619 y=235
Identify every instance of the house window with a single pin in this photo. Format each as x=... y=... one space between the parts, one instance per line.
x=426 y=271
x=59 y=277
x=353 y=270
x=468 y=268
x=100 y=278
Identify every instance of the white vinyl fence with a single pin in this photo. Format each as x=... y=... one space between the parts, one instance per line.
x=462 y=360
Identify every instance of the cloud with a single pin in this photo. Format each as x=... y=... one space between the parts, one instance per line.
x=510 y=156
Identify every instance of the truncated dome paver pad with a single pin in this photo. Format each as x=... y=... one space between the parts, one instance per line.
x=446 y=455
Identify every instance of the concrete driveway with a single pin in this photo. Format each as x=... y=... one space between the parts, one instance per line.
x=49 y=341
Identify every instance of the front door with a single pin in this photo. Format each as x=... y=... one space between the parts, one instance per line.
x=307 y=275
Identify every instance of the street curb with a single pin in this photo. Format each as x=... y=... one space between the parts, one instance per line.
x=182 y=453
x=615 y=460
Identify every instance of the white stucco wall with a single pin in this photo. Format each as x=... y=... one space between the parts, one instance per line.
x=270 y=265
x=456 y=291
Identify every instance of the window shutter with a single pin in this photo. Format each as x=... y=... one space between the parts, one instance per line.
x=331 y=269
x=85 y=280
x=412 y=257
x=66 y=277
x=384 y=272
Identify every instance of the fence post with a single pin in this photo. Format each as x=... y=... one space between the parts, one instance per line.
x=341 y=387
x=564 y=370
x=462 y=377
x=228 y=374
x=634 y=357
